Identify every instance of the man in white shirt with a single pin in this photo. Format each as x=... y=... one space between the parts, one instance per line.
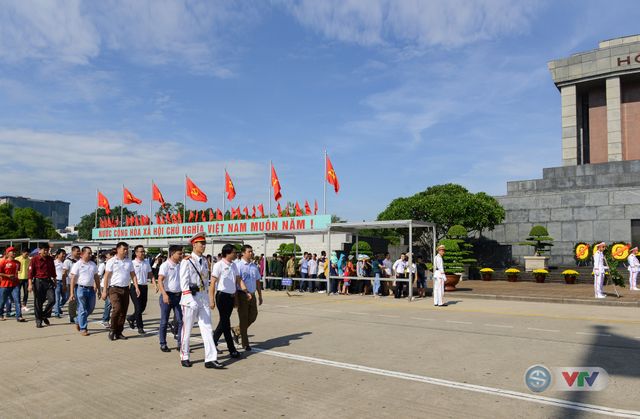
x=400 y=268
x=106 y=313
x=169 y=285
x=226 y=282
x=599 y=269
x=634 y=268
x=312 y=266
x=118 y=276
x=388 y=273
x=143 y=272
x=194 y=284
x=439 y=278
x=85 y=284
x=247 y=307
x=62 y=290
x=68 y=264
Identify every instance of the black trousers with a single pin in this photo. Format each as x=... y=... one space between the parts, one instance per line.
x=139 y=304
x=400 y=285
x=24 y=291
x=44 y=291
x=224 y=302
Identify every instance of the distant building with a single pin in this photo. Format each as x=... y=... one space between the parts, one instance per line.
x=56 y=211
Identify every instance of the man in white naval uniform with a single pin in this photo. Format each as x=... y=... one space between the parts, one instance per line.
x=634 y=268
x=439 y=278
x=599 y=268
x=194 y=283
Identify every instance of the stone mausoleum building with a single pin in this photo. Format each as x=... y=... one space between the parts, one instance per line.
x=595 y=195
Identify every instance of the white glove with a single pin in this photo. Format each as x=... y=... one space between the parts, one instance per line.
x=188 y=301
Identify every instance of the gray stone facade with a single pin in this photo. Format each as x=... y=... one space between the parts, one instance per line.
x=589 y=203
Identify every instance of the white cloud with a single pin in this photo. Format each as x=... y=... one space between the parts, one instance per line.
x=191 y=34
x=446 y=23
x=70 y=166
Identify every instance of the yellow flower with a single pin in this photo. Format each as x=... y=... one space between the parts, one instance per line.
x=570 y=272
x=486 y=270
x=512 y=271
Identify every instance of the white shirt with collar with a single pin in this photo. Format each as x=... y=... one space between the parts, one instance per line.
x=142 y=270
x=399 y=266
x=194 y=271
x=67 y=265
x=598 y=262
x=171 y=273
x=84 y=273
x=313 y=266
x=226 y=272
x=438 y=265
x=120 y=271
x=634 y=264
x=59 y=269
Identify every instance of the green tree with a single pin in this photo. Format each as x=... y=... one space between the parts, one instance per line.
x=25 y=222
x=88 y=221
x=286 y=249
x=447 y=205
x=8 y=227
x=364 y=248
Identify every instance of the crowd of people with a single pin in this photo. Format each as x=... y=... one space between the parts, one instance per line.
x=189 y=286
x=379 y=276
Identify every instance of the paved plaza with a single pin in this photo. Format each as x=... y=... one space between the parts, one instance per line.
x=338 y=356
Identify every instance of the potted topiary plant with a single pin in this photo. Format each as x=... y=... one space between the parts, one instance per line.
x=570 y=276
x=540 y=275
x=457 y=255
x=486 y=273
x=512 y=274
x=541 y=242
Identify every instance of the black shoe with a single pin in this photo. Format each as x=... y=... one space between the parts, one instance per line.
x=132 y=324
x=141 y=331
x=186 y=363
x=214 y=364
x=444 y=305
x=112 y=336
x=46 y=321
x=121 y=336
x=165 y=348
x=39 y=324
x=235 y=354
x=247 y=348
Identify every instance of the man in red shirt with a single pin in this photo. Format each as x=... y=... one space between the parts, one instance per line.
x=9 y=268
x=42 y=277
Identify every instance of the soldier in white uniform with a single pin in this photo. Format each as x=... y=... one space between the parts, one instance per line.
x=634 y=268
x=439 y=278
x=194 y=283
x=599 y=268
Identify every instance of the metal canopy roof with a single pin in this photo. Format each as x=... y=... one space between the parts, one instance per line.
x=353 y=227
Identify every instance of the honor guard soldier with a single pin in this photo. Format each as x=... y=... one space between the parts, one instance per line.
x=599 y=268
x=194 y=284
x=439 y=278
x=634 y=268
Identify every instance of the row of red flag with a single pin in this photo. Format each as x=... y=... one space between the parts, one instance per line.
x=196 y=194
x=204 y=216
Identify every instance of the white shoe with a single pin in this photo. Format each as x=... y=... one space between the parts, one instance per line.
x=25 y=308
x=635 y=289
x=601 y=296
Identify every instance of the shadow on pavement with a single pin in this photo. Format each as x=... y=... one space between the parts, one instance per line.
x=616 y=354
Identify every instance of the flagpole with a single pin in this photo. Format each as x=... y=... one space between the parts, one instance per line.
x=122 y=205
x=324 y=182
x=184 y=201
x=224 y=188
x=95 y=224
x=151 y=204
x=270 y=189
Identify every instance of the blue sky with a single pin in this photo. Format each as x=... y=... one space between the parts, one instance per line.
x=402 y=94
